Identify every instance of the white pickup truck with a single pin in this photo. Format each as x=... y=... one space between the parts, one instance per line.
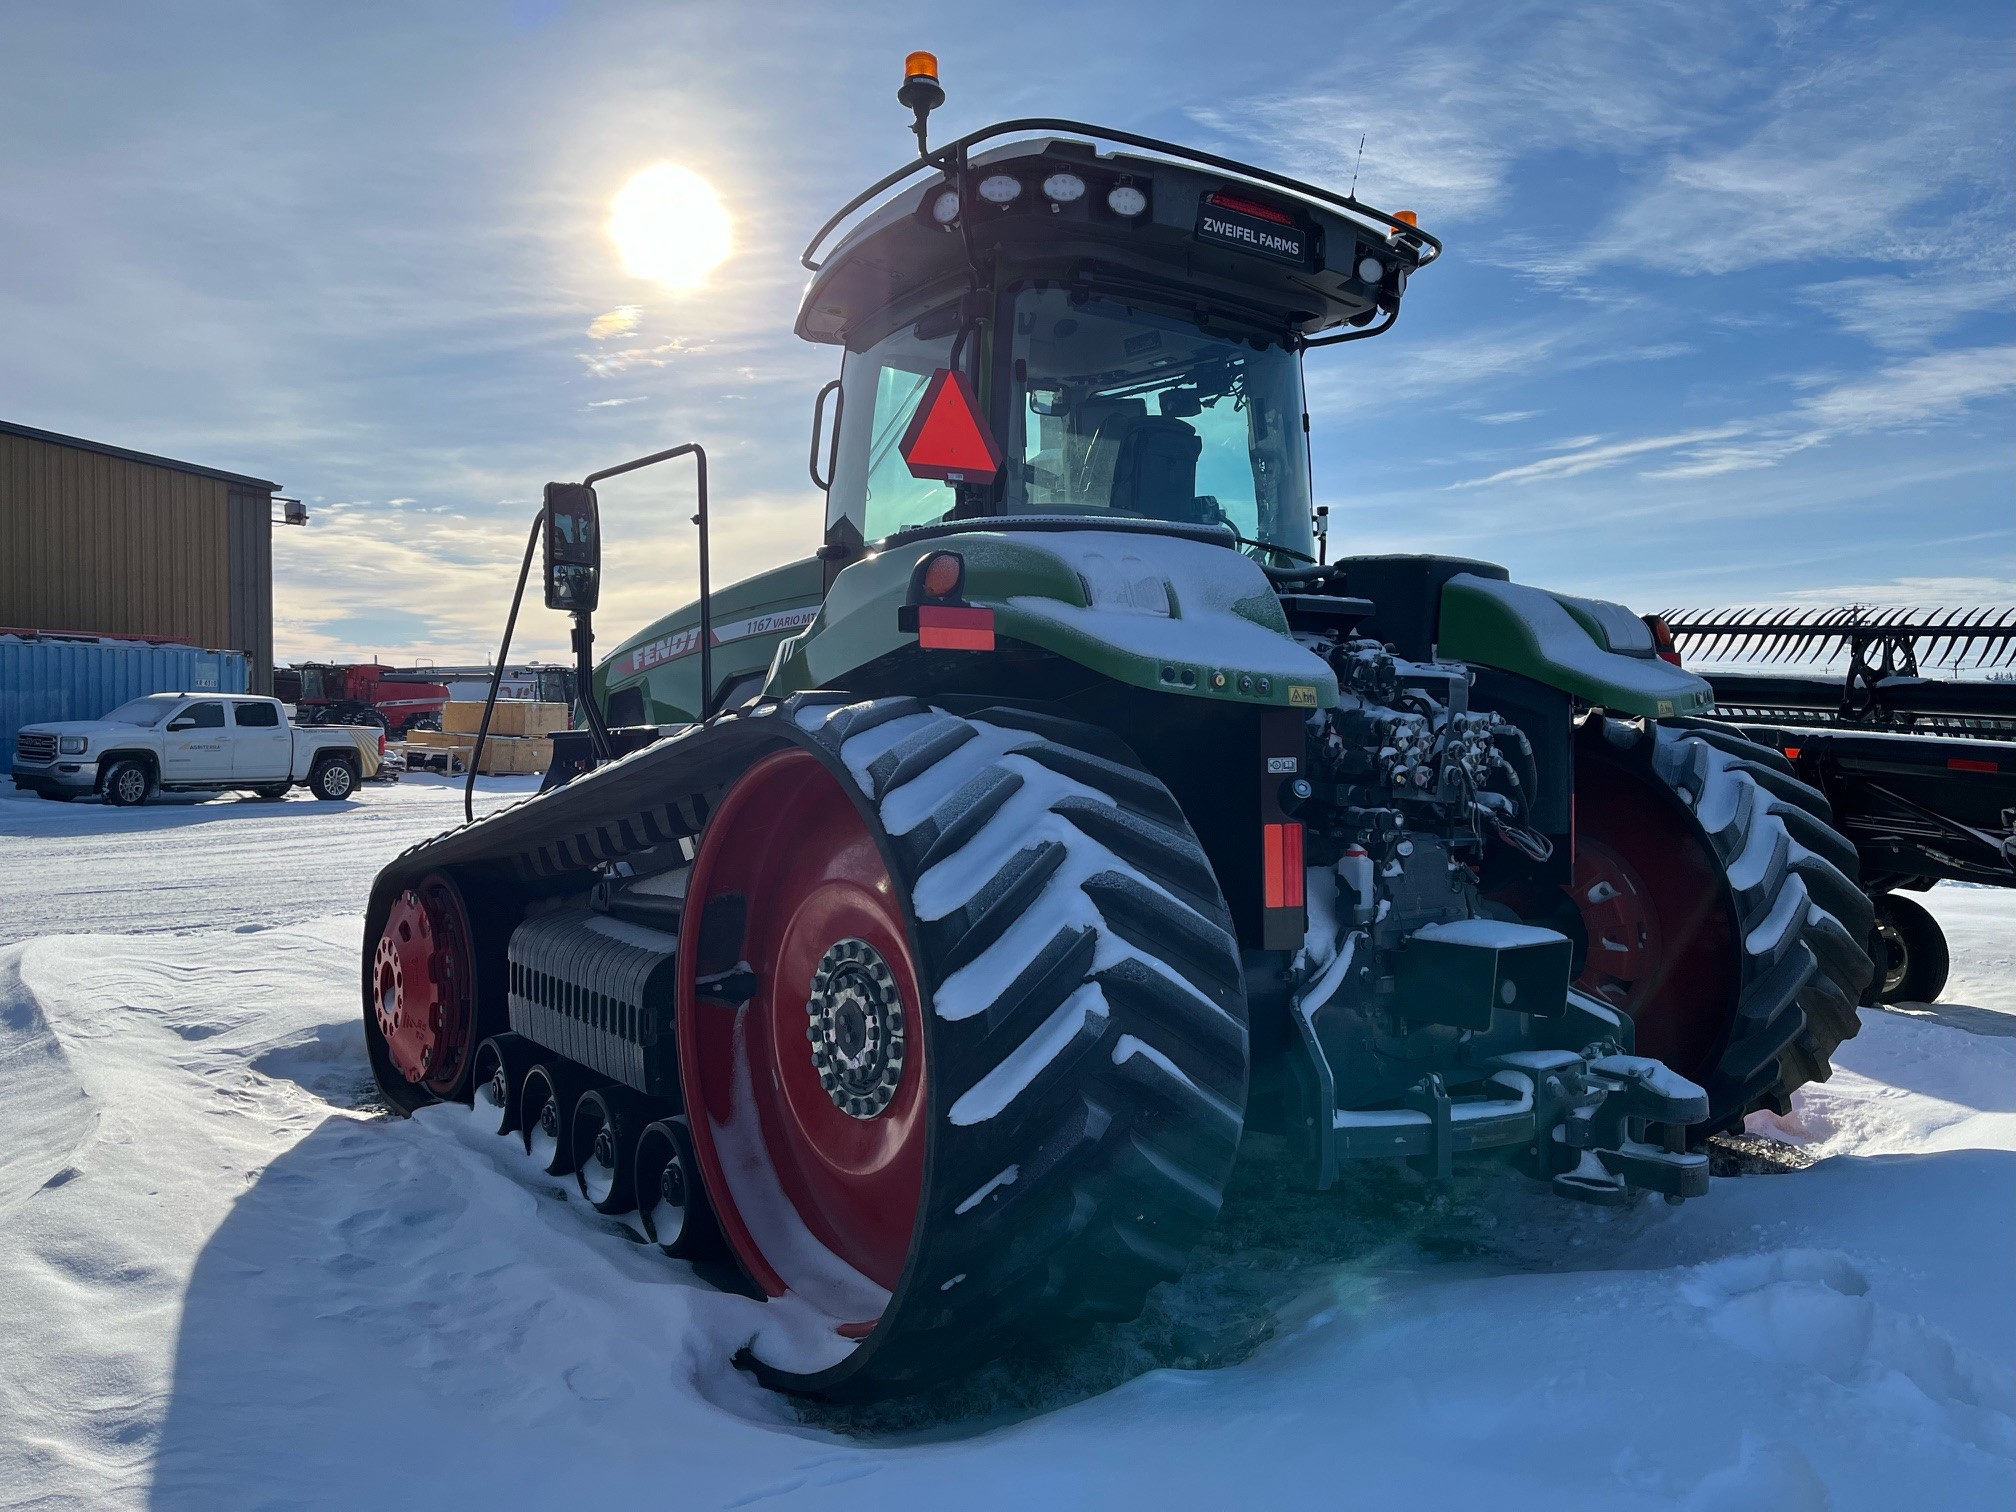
x=191 y=743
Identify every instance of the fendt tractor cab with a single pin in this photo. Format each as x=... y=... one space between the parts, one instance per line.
x=924 y=922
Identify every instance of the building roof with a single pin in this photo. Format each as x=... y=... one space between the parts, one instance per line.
x=8 y=428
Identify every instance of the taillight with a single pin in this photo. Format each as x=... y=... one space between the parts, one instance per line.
x=1281 y=866
x=1250 y=207
x=1662 y=639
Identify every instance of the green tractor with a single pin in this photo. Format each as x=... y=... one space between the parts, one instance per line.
x=923 y=923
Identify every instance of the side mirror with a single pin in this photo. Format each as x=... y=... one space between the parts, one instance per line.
x=177 y=725
x=573 y=548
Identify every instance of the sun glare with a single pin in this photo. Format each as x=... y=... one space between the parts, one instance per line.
x=669 y=227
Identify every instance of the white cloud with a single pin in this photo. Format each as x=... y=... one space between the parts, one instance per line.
x=1897 y=311
x=1509 y=417
x=1584 y=458
x=1873 y=156
x=620 y=321
x=1453 y=107
x=1919 y=391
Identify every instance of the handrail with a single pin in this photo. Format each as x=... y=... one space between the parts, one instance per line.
x=953 y=154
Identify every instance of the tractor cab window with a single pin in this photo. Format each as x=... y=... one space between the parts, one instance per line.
x=879 y=387
x=1124 y=410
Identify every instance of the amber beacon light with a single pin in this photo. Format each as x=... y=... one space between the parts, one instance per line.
x=921 y=92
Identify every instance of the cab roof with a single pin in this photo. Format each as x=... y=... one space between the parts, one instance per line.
x=1239 y=243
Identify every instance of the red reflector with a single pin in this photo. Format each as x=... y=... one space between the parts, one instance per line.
x=947 y=439
x=943 y=628
x=1250 y=207
x=1792 y=753
x=1282 y=865
x=1963 y=764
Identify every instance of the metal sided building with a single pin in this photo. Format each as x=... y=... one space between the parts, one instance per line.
x=101 y=540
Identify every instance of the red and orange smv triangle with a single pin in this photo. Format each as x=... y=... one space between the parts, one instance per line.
x=948 y=437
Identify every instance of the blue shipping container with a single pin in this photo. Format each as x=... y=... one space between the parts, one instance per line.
x=47 y=679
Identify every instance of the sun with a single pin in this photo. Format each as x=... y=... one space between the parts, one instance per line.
x=669 y=226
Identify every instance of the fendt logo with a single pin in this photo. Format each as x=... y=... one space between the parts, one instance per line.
x=686 y=642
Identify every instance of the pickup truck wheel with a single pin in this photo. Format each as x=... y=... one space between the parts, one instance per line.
x=332 y=780
x=127 y=784
x=272 y=790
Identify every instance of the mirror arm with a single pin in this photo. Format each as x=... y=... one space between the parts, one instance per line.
x=497 y=673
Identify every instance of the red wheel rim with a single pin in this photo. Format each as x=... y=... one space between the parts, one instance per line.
x=1662 y=941
x=423 y=976
x=815 y=1200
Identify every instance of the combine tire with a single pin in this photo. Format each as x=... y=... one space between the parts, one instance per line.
x=990 y=1075
x=1910 y=951
x=1720 y=909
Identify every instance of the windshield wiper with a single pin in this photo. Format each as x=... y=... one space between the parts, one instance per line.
x=1287 y=551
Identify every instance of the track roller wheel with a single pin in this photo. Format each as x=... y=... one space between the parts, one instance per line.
x=501 y=1063
x=606 y=1123
x=669 y=1200
x=545 y=1107
x=1720 y=908
x=990 y=1075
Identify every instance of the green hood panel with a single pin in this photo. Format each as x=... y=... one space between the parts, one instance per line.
x=662 y=660
x=1156 y=611
x=1582 y=646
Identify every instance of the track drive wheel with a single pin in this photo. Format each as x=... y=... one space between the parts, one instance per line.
x=990 y=1074
x=1720 y=909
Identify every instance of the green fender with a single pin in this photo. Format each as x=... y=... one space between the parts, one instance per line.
x=1169 y=613
x=1600 y=652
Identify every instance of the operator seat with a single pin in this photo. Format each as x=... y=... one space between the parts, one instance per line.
x=1155 y=470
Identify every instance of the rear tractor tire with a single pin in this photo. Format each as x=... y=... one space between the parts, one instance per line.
x=1720 y=910
x=990 y=1076
x=1910 y=949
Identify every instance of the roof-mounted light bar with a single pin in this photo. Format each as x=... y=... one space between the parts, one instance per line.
x=954 y=157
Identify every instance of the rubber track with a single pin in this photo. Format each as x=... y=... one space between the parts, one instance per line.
x=1123 y=1122
x=1803 y=917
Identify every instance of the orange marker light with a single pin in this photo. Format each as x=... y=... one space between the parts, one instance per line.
x=921 y=65
x=1407 y=216
x=942 y=574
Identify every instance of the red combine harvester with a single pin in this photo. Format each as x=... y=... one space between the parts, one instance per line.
x=363 y=693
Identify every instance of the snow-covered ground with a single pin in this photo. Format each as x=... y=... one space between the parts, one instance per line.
x=227 y=1281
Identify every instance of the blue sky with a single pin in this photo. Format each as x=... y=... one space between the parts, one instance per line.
x=1726 y=314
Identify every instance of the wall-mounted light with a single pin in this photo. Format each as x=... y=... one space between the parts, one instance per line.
x=292 y=511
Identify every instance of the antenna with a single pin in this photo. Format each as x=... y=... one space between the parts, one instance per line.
x=1352 y=192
